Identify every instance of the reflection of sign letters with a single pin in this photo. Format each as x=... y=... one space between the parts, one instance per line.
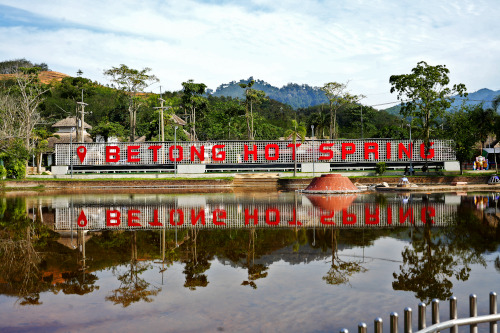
x=365 y=215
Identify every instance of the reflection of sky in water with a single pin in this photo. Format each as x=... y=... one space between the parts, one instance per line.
x=290 y=298
x=293 y=297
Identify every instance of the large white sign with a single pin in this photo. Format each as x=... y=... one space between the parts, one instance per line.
x=235 y=152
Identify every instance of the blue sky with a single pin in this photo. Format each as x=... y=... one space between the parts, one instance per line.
x=279 y=41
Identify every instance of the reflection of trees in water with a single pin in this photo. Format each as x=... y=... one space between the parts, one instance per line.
x=30 y=257
x=436 y=256
x=255 y=271
x=19 y=259
x=132 y=288
x=196 y=264
x=19 y=267
x=77 y=283
x=340 y=270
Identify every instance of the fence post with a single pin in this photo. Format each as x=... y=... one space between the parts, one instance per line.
x=473 y=311
x=394 y=322
x=453 y=313
x=493 y=310
x=408 y=320
x=362 y=328
x=435 y=311
x=421 y=316
x=344 y=330
x=378 y=323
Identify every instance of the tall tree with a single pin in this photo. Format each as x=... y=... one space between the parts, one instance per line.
x=425 y=95
x=297 y=131
x=338 y=96
x=482 y=121
x=193 y=99
x=252 y=96
x=132 y=82
x=459 y=127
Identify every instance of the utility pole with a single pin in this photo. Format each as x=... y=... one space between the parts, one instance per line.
x=80 y=127
x=362 y=135
x=162 y=122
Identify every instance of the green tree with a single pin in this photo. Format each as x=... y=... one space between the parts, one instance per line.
x=252 y=96
x=40 y=137
x=14 y=155
x=223 y=120
x=425 y=95
x=132 y=82
x=106 y=129
x=193 y=99
x=482 y=121
x=297 y=131
x=338 y=96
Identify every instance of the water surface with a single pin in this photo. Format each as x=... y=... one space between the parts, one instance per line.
x=269 y=262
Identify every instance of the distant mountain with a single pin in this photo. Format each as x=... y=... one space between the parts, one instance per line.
x=484 y=96
x=295 y=95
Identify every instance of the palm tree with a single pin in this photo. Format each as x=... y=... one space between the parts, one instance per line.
x=300 y=131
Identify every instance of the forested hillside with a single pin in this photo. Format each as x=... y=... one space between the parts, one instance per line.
x=295 y=95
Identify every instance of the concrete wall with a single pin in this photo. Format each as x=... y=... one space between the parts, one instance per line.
x=452 y=166
x=318 y=167
x=190 y=168
x=59 y=169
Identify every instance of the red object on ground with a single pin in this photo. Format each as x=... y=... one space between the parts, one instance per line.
x=332 y=203
x=332 y=183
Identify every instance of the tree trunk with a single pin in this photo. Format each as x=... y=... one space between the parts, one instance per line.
x=251 y=121
x=331 y=121
x=335 y=125
x=132 y=127
x=39 y=157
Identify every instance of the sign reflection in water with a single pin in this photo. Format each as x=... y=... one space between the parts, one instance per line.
x=266 y=271
x=342 y=211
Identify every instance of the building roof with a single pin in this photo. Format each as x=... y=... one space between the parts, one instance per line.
x=177 y=120
x=65 y=138
x=70 y=122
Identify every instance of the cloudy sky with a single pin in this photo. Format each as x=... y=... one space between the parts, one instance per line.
x=278 y=41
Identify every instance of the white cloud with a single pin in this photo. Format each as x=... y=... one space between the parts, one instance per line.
x=278 y=41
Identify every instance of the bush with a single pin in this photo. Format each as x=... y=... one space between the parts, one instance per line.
x=3 y=172
x=380 y=168
x=17 y=169
x=14 y=157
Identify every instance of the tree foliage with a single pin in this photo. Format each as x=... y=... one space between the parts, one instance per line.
x=338 y=97
x=425 y=95
x=131 y=81
x=193 y=99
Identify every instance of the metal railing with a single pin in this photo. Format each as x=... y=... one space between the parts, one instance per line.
x=438 y=326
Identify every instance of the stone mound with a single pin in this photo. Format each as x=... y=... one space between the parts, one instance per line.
x=332 y=183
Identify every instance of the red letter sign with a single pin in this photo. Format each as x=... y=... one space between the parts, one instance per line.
x=422 y=151
x=323 y=150
x=131 y=151
x=112 y=218
x=217 y=154
x=346 y=151
x=112 y=154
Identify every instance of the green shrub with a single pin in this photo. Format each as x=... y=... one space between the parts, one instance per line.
x=16 y=169
x=380 y=168
x=3 y=172
x=14 y=157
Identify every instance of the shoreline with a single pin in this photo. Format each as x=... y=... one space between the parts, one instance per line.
x=226 y=182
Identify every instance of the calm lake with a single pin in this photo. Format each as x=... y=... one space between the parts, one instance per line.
x=241 y=262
